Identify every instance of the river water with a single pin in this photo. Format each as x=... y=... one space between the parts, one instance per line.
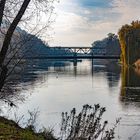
x=56 y=86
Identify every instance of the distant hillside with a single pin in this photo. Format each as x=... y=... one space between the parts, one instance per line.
x=24 y=43
x=37 y=48
x=28 y=45
x=109 y=45
x=34 y=46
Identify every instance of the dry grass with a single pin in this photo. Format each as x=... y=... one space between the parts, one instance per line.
x=9 y=130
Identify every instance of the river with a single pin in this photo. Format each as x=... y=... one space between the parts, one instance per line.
x=56 y=86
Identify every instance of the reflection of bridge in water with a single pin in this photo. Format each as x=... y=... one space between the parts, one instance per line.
x=77 y=52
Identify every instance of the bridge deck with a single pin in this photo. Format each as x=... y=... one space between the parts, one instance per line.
x=75 y=57
x=74 y=53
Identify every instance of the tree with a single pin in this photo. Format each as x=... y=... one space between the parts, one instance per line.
x=130 y=41
x=34 y=16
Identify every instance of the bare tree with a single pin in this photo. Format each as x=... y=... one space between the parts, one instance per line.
x=2 y=5
x=34 y=16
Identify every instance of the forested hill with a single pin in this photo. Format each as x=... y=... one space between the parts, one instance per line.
x=34 y=46
x=26 y=44
x=110 y=44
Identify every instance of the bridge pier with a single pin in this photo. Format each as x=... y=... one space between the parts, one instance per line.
x=92 y=67
x=75 y=53
x=75 y=62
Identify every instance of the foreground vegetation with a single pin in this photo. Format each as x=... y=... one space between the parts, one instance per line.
x=9 y=130
x=86 y=125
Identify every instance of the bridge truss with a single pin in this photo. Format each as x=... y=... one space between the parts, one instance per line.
x=77 y=52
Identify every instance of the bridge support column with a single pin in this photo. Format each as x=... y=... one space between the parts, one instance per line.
x=75 y=53
x=75 y=62
x=92 y=66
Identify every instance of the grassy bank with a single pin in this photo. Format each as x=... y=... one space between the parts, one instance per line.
x=9 y=130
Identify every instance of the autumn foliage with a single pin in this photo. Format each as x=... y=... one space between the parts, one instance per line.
x=129 y=36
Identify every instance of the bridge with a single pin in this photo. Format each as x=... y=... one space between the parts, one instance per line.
x=76 y=52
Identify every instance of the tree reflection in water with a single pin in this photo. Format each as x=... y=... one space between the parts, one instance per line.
x=130 y=89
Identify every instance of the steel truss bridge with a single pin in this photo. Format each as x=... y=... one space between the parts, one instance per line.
x=77 y=52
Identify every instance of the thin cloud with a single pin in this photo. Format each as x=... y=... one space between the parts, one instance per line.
x=80 y=22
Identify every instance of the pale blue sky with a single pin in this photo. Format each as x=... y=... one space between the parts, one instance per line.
x=80 y=22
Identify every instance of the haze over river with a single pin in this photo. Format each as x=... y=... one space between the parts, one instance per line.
x=56 y=86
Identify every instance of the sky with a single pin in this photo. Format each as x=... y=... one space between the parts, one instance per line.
x=81 y=22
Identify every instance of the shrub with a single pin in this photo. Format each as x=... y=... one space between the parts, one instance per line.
x=86 y=125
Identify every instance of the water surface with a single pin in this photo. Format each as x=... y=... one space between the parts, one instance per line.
x=54 y=86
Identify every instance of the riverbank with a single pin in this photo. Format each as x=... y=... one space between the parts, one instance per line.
x=10 y=130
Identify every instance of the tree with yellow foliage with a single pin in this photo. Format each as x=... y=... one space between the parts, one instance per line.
x=129 y=36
